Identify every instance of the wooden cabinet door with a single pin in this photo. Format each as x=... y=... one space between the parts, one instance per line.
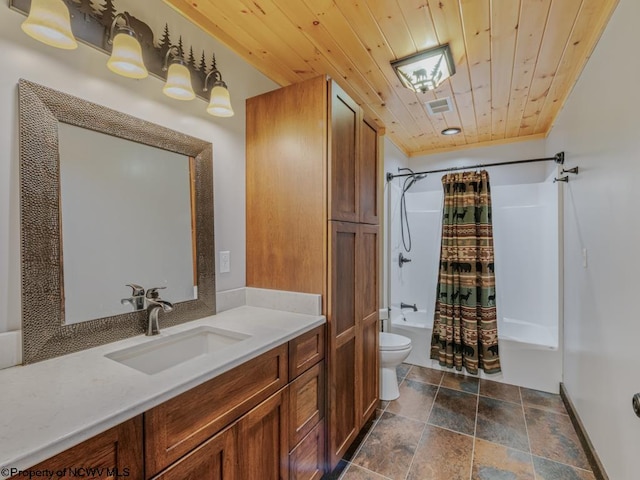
x=307 y=461
x=263 y=447
x=116 y=453
x=368 y=313
x=341 y=358
x=368 y=174
x=343 y=172
x=213 y=460
x=175 y=427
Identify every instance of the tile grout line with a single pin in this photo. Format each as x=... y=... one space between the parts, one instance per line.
x=373 y=471
x=475 y=431
x=425 y=426
x=526 y=427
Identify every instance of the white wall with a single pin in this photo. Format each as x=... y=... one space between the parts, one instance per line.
x=83 y=73
x=393 y=159
x=598 y=129
x=506 y=175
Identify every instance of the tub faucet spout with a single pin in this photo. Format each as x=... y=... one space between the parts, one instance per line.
x=406 y=305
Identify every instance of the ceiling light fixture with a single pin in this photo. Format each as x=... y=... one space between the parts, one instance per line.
x=220 y=102
x=426 y=70
x=126 y=55
x=451 y=131
x=178 y=84
x=49 y=22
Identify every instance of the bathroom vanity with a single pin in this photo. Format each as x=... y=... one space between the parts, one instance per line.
x=255 y=409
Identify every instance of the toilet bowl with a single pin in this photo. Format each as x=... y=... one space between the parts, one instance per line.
x=394 y=349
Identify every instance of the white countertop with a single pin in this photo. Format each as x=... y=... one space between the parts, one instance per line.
x=50 y=406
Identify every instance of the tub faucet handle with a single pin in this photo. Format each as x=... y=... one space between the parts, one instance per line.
x=402 y=260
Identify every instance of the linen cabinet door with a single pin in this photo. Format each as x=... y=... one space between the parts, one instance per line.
x=213 y=460
x=263 y=447
x=367 y=283
x=343 y=172
x=368 y=156
x=341 y=359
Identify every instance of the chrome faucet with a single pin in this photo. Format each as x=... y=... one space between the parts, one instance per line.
x=137 y=297
x=406 y=305
x=154 y=304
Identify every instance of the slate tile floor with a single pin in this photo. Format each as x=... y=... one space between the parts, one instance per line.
x=448 y=426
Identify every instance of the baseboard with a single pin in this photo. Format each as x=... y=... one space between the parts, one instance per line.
x=596 y=465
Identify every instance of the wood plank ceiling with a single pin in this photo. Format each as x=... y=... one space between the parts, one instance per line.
x=516 y=60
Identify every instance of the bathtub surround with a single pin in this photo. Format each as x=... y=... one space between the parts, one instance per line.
x=465 y=328
x=526 y=218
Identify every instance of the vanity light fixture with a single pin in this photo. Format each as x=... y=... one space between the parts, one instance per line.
x=178 y=84
x=49 y=22
x=426 y=70
x=126 y=55
x=219 y=103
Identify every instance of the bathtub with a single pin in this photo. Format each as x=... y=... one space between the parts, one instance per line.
x=528 y=352
x=418 y=327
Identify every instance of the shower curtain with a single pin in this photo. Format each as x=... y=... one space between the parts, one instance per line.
x=465 y=327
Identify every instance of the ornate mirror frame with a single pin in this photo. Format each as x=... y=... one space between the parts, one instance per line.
x=44 y=334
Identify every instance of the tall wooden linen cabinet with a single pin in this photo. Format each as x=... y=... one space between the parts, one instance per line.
x=312 y=226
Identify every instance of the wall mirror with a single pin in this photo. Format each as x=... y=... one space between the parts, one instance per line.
x=107 y=199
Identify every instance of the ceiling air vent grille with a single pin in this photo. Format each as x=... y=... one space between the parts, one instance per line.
x=442 y=105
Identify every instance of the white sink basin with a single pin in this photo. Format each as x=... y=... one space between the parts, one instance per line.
x=171 y=350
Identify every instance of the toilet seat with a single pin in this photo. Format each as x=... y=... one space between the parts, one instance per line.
x=393 y=342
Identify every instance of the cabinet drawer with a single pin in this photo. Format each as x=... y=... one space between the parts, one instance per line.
x=306 y=350
x=215 y=459
x=306 y=402
x=306 y=461
x=175 y=427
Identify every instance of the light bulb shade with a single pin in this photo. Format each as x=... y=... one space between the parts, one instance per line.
x=425 y=70
x=220 y=103
x=178 y=84
x=126 y=57
x=49 y=23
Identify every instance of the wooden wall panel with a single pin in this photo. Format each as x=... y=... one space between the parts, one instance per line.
x=286 y=199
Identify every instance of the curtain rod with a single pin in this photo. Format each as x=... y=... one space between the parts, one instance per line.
x=558 y=158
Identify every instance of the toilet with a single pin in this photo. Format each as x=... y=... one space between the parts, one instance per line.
x=394 y=349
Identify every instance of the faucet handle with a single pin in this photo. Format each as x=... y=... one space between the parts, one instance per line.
x=137 y=290
x=153 y=292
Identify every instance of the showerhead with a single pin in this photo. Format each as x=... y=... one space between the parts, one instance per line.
x=408 y=183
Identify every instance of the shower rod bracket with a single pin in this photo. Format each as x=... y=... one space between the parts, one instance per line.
x=559 y=158
x=390 y=176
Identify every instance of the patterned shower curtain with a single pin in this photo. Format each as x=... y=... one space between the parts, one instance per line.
x=465 y=327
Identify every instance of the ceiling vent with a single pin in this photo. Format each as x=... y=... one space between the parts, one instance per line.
x=442 y=105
